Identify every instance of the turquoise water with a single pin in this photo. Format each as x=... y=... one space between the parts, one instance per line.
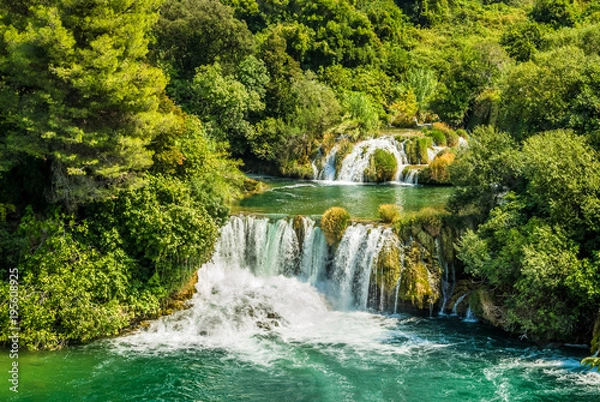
x=404 y=359
x=312 y=198
x=266 y=337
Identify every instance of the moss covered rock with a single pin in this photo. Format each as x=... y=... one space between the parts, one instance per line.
x=382 y=167
x=484 y=305
x=334 y=223
x=420 y=283
x=385 y=275
x=345 y=148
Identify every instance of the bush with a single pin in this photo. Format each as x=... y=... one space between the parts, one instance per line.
x=382 y=167
x=437 y=172
x=556 y=13
x=403 y=111
x=423 y=144
x=297 y=170
x=69 y=291
x=334 y=223
x=452 y=139
x=429 y=220
x=389 y=213
x=438 y=137
x=450 y=136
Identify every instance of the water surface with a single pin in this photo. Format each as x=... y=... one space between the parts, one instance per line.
x=312 y=198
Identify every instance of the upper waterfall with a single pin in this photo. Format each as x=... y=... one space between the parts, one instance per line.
x=353 y=166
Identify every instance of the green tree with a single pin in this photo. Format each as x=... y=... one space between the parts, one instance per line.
x=558 y=90
x=541 y=236
x=193 y=33
x=557 y=13
x=484 y=171
x=522 y=41
x=79 y=102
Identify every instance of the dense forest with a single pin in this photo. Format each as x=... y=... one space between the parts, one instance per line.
x=125 y=126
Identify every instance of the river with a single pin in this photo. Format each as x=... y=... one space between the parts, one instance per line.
x=276 y=319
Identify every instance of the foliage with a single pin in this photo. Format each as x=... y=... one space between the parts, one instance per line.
x=541 y=238
x=389 y=213
x=361 y=112
x=438 y=171
x=416 y=150
x=438 y=137
x=70 y=291
x=110 y=195
x=403 y=111
x=80 y=103
x=484 y=171
x=522 y=41
x=528 y=106
x=333 y=223
x=383 y=167
x=556 y=13
x=193 y=33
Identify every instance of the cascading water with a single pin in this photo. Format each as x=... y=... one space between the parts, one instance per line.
x=458 y=301
x=276 y=276
x=273 y=248
x=448 y=276
x=273 y=277
x=411 y=176
x=315 y=253
x=356 y=255
x=328 y=172
x=354 y=165
x=261 y=327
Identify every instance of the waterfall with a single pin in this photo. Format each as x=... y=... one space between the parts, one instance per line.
x=328 y=172
x=315 y=253
x=411 y=176
x=356 y=255
x=270 y=248
x=470 y=316
x=448 y=277
x=355 y=164
x=458 y=301
x=347 y=275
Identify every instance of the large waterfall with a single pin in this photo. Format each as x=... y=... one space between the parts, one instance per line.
x=281 y=277
x=297 y=248
x=354 y=165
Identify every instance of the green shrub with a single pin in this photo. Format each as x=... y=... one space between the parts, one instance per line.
x=166 y=230
x=69 y=291
x=334 y=223
x=297 y=170
x=382 y=167
x=438 y=137
x=451 y=139
x=410 y=148
x=389 y=213
x=428 y=219
x=438 y=170
x=423 y=144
